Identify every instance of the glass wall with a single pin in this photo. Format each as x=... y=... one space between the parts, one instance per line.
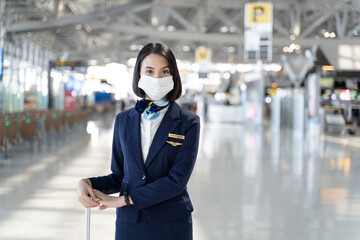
x=24 y=84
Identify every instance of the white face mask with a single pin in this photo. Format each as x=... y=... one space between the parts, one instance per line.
x=156 y=88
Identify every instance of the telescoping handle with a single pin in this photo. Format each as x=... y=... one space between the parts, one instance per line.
x=87 y=223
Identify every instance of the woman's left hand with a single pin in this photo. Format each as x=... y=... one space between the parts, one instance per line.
x=108 y=201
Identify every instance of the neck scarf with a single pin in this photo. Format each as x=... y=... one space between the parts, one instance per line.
x=150 y=109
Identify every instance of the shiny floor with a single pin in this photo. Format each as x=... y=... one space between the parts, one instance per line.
x=248 y=184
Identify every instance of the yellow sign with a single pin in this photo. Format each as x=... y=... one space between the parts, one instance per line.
x=203 y=54
x=259 y=12
x=65 y=63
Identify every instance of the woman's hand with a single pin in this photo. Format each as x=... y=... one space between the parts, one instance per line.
x=86 y=195
x=109 y=201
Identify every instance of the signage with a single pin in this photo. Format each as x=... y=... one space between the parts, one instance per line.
x=259 y=13
x=78 y=66
x=258 y=31
x=203 y=58
x=203 y=53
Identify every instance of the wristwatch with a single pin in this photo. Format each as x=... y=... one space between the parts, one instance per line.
x=126 y=198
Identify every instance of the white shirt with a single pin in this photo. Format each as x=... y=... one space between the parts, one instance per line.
x=148 y=129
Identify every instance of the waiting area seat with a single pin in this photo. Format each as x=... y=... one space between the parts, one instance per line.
x=33 y=125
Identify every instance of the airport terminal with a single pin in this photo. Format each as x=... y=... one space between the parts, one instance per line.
x=275 y=86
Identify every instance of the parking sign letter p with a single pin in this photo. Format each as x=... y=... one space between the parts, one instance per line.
x=258 y=11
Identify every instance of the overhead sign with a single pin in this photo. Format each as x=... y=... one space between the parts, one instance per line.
x=203 y=53
x=259 y=13
x=69 y=65
x=203 y=58
x=258 y=31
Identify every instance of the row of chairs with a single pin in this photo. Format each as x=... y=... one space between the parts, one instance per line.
x=35 y=124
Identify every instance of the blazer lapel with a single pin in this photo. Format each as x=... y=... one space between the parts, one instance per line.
x=133 y=136
x=167 y=125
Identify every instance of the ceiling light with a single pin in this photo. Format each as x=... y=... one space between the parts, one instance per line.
x=231 y=49
x=224 y=29
x=332 y=35
x=232 y=29
x=170 y=28
x=92 y=62
x=186 y=48
x=326 y=34
x=154 y=21
x=133 y=47
x=78 y=27
x=161 y=28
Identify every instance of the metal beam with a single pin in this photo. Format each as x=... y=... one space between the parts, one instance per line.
x=112 y=46
x=198 y=19
x=345 y=20
x=137 y=19
x=354 y=29
x=278 y=26
x=320 y=20
x=68 y=21
x=219 y=14
x=210 y=37
x=338 y=27
x=224 y=4
x=180 y=19
x=295 y=20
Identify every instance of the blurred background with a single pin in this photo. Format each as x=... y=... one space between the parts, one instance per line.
x=275 y=83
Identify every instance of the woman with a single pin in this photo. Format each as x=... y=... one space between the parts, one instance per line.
x=154 y=150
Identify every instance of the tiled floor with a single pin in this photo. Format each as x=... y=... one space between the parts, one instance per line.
x=247 y=184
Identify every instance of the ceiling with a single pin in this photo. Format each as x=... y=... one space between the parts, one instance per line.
x=115 y=30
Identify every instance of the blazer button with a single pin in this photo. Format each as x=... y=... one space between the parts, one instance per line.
x=143 y=177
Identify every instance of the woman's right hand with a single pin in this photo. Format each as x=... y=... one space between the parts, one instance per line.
x=86 y=195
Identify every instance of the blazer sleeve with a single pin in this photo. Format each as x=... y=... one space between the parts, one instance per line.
x=175 y=182
x=111 y=183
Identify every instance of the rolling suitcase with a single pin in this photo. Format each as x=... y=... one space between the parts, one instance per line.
x=87 y=223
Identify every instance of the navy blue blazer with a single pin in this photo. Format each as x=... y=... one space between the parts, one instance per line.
x=157 y=187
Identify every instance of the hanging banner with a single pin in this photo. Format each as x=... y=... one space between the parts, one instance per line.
x=258 y=31
x=203 y=58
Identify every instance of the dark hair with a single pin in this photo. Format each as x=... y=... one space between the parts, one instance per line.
x=162 y=50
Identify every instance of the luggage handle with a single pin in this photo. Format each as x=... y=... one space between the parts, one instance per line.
x=87 y=223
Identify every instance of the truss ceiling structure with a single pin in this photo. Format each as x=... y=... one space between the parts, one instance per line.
x=114 y=30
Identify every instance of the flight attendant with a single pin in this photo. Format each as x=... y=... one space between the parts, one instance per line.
x=155 y=145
